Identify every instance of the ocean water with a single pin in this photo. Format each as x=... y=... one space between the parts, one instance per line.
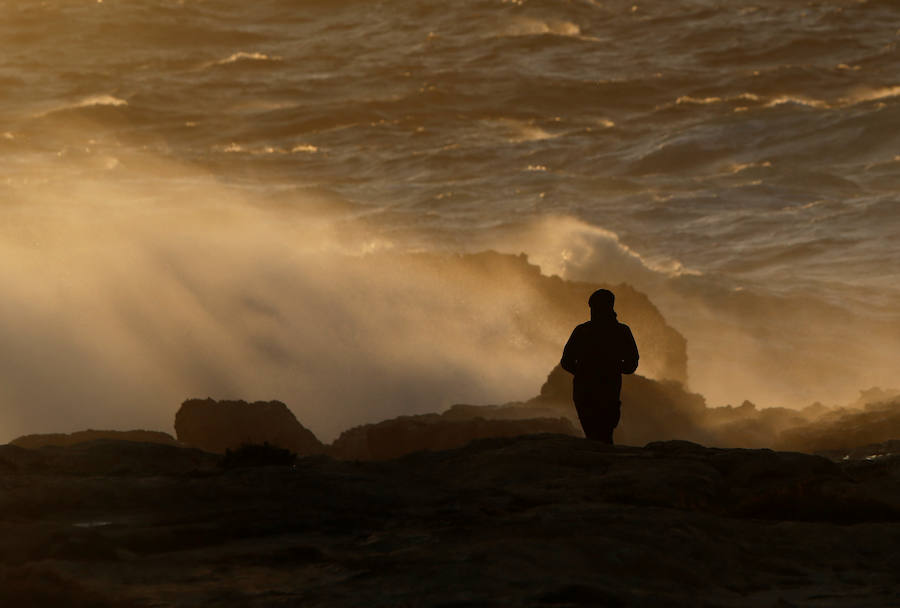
x=183 y=183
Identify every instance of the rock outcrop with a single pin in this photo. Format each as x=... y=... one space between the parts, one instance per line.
x=545 y=308
x=406 y=434
x=655 y=410
x=216 y=426
x=65 y=439
x=542 y=520
x=107 y=457
x=845 y=429
x=652 y=410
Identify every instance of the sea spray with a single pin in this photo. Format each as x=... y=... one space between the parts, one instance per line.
x=210 y=161
x=127 y=293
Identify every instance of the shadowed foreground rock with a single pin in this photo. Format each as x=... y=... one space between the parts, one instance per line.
x=407 y=434
x=545 y=520
x=216 y=426
x=65 y=439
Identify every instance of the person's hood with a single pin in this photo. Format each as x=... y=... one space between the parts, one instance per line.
x=606 y=315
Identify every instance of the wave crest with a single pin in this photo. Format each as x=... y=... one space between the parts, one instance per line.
x=526 y=26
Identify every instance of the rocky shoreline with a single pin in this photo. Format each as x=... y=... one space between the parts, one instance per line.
x=499 y=505
x=541 y=520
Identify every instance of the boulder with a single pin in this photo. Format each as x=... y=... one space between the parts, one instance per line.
x=216 y=426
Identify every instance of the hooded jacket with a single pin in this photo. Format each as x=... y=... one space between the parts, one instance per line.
x=600 y=348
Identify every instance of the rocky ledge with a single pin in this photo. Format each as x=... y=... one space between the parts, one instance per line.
x=541 y=520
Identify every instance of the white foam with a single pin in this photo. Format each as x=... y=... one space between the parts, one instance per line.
x=577 y=250
x=796 y=100
x=526 y=26
x=235 y=147
x=740 y=167
x=247 y=56
x=85 y=102
x=687 y=99
x=520 y=131
x=100 y=100
x=867 y=95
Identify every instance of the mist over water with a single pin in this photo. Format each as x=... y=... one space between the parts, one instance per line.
x=214 y=198
x=116 y=312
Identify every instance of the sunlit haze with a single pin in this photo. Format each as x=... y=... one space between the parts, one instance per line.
x=239 y=200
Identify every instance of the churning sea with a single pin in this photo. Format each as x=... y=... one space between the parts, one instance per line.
x=739 y=161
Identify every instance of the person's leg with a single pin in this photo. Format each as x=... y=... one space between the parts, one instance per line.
x=609 y=414
x=598 y=407
x=593 y=422
x=583 y=396
x=612 y=405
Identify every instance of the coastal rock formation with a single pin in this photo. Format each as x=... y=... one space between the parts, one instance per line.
x=106 y=457
x=871 y=451
x=845 y=429
x=548 y=306
x=407 y=434
x=654 y=410
x=66 y=439
x=543 y=520
x=216 y=426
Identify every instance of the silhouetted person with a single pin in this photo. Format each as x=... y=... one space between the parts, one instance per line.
x=598 y=353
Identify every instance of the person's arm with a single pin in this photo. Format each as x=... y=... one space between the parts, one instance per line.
x=630 y=354
x=569 y=360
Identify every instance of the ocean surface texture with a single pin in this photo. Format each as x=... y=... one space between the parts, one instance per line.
x=190 y=190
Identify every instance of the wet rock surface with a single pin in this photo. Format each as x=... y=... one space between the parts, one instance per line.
x=542 y=520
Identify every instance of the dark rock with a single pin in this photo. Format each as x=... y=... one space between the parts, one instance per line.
x=535 y=520
x=651 y=409
x=43 y=588
x=407 y=434
x=256 y=455
x=845 y=430
x=63 y=439
x=16 y=459
x=216 y=426
x=871 y=451
x=511 y=411
x=111 y=457
x=656 y=410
